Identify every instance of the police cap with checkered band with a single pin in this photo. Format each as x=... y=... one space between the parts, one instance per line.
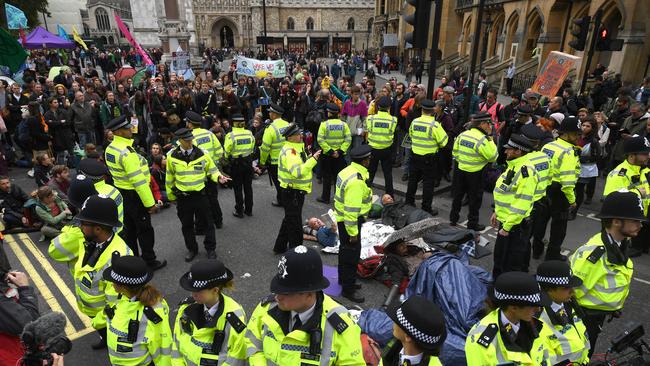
x=205 y=274
x=516 y=288
x=128 y=270
x=299 y=270
x=557 y=274
x=422 y=320
x=622 y=205
x=99 y=209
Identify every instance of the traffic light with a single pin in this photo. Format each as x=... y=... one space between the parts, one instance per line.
x=580 y=31
x=605 y=42
x=419 y=19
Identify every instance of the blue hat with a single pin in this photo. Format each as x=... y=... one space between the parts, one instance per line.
x=118 y=123
x=92 y=168
x=332 y=107
x=184 y=134
x=384 y=102
x=427 y=104
x=193 y=117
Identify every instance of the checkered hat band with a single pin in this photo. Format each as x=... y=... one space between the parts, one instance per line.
x=532 y=298
x=128 y=280
x=413 y=331
x=202 y=283
x=553 y=280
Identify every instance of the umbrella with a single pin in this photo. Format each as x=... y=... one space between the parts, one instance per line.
x=16 y=18
x=137 y=78
x=124 y=72
x=55 y=71
x=7 y=79
x=412 y=231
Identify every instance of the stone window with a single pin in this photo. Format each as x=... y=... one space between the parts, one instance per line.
x=101 y=17
x=351 y=24
x=310 y=23
x=291 y=24
x=86 y=30
x=370 y=25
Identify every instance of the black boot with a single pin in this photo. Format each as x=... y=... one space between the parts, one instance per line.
x=353 y=296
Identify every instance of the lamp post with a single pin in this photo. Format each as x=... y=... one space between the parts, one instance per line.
x=264 y=23
x=566 y=25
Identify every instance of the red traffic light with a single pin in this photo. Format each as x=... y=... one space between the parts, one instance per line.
x=603 y=33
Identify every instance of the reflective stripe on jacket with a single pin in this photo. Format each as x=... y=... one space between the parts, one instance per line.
x=427 y=135
x=240 y=142
x=127 y=169
x=272 y=141
x=569 y=342
x=209 y=142
x=514 y=192
x=473 y=149
x=334 y=135
x=189 y=176
x=381 y=129
x=542 y=164
x=565 y=166
x=353 y=197
x=293 y=171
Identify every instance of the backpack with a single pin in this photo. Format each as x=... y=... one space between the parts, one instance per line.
x=371 y=266
x=22 y=133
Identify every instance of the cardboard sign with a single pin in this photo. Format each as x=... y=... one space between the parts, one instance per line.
x=552 y=74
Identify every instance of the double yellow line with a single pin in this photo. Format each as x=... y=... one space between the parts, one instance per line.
x=21 y=241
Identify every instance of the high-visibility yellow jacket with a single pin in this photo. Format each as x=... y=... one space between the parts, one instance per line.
x=381 y=130
x=569 y=341
x=294 y=168
x=272 y=141
x=514 y=192
x=542 y=164
x=151 y=344
x=605 y=285
x=427 y=135
x=193 y=339
x=565 y=166
x=108 y=190
x=127 y=169
x=208 y=141
x=334 y=135
x=240 y=142
x=65 y=246
x=473 y=149
x=268 y=341
x=632 y=178
x=189 y=176
x=353 y=197
x=484 y=345
x=391 y=355
x=93 y=293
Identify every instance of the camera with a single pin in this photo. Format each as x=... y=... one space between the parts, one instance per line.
x=42 y=337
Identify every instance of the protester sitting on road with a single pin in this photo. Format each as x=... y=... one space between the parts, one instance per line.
x=316 y=230
x=12 y=199
x=43 y=169
x=60 y=181
x=52 y=211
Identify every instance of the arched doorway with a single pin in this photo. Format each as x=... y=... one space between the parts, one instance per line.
x=612 y=20
x=535 y=26
x=465 y=45
x=224 y=34
x=511 y=43
x=495 y=34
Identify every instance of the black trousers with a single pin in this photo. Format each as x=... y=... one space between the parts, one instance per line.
x=242 y=184
x=589 y=187
x=330 y=168
x=510 y=251
x=421 y=167
x=382 y=156
x=273 y=173
x=472 y=184
x=348 y=257
x=187 y=207
x=291 y=228
x=594 y=320
x=558 y=213
x=137 y=226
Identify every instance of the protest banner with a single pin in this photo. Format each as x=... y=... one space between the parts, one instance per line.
x=260 y=68
x=129 y=37
x=552 y=74
x=181 y=64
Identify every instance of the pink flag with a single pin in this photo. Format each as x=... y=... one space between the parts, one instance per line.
x=131 y=40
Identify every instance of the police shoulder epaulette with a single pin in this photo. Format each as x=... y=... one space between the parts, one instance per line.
x=130 y=148
x=359 y=176
x=267 y=299
x=186 y=301
x=152 y=315
x=488 y=335
x=337 y=322
x=622 y=172
x=524 y=171
x=596 y=254
x=235 y=322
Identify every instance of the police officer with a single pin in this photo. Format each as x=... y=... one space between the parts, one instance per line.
x=98 y=217
x=428 y=137
x=603 y=265
x=473 y=149
x=565 y=168
x=633 y=175
x=128 y=172
x=272 y=142
x=65 y=246
x=208 y=141
x=334 y=139
x=238 y=146
x=96 y=171
x=562 y=314
x=419 y=332
x=295 y=175
x=138 y=323
x=299 y=324
x=511 y=334
x=188 y=169
x=352 y=201
x=381 y=130
x=513 y=200
x=210 y=325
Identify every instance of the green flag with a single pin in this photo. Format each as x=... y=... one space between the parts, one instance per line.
x=12 y=53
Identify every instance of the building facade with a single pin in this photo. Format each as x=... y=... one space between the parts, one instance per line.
x=526 y=31
x=98 y=21
x=297 y=25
